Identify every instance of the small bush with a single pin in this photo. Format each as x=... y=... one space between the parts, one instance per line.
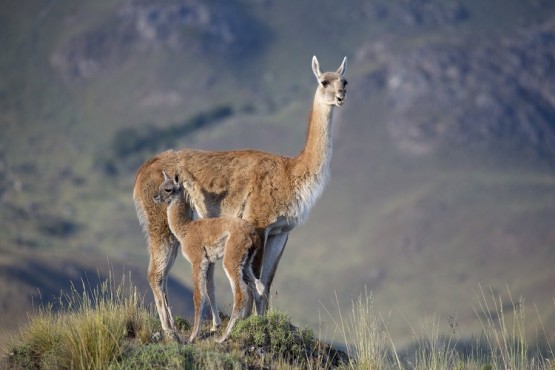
x=177 y=356
x=158 y=356
x=182 y=324
x=273 y=334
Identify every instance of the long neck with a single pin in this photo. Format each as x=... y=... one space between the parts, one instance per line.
x=316 y=154
x=179 y=214
x=311 y=167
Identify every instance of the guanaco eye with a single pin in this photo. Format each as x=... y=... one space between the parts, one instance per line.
x=168 y=190
x=325 y=83
x=345 y=83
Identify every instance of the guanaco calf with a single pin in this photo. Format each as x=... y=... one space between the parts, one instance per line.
x=202 y=243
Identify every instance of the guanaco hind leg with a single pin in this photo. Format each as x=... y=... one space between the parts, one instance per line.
x=162 y=257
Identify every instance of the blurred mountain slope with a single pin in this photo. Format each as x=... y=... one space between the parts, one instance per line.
x=442 y=175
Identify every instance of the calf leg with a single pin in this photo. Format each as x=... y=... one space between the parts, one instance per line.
x=199 y=269
x=234 y=272
x=216 y=321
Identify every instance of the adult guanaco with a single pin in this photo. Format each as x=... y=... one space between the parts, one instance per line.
x=274 y=193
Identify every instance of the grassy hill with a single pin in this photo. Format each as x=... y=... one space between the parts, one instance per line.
x=109 y=326
x=442 y=175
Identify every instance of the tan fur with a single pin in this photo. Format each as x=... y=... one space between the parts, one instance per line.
x=274 y=193
x=205 y=241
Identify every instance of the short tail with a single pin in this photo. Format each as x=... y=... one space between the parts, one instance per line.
x=260 y=287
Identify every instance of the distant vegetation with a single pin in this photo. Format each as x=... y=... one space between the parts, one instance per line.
x=57 y=226
x=128 y=141
x=111 y=327
x=147 y=139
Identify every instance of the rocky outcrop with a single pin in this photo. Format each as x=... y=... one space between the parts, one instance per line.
x=464 y=90
x=185 y=26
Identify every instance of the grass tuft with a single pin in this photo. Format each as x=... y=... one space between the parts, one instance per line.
x=504 y=333
x=365 y=335
x=85 y=330
x=502 y=345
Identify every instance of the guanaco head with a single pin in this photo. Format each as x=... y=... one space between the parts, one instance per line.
x=169 y=189
x=331 y=85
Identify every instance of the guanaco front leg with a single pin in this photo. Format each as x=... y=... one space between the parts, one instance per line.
x=273 y=250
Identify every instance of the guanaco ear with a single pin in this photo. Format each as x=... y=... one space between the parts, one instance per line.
x=157 y=198
x=316 y=68
x=166 y=177
x=343 y=67
x=176 y=179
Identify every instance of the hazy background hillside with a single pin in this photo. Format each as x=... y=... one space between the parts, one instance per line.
x=443 y=173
